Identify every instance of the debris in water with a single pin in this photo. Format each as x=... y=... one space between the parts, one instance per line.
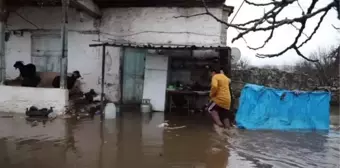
x=163 y=125
x=166 y=126
x=34 y=123
x=9 y=116
x=173 y=128
x=215 y=150
x=66 y=116
x=88 y=103
x=52 y=115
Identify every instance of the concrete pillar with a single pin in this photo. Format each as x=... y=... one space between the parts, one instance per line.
x=223 y=37
x=64 y=47
x=3 y=18
x=225 y=61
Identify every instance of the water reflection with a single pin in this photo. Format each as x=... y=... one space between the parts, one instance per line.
x=135 y=140
x=335 y=115
x=285 y=149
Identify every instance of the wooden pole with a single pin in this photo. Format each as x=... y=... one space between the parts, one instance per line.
x=102 y=84
x=64 y=43
x=3 y=18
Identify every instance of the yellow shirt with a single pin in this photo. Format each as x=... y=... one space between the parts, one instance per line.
x=219 y=92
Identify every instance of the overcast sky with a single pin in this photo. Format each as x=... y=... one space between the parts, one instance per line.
x=326 y=36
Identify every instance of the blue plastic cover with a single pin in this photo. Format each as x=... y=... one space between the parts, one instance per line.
x=273 y=109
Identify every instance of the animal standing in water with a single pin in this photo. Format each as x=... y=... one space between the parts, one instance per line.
x=28 y=73
x=89 y=96
x=71 y=80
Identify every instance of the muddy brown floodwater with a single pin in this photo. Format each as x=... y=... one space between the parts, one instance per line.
x=136 y=140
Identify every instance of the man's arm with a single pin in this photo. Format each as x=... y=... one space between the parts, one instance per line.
x=213 y=88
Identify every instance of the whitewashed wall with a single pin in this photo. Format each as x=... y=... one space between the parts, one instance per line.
x=159 y=25
x=17 y=99
x=143 y=25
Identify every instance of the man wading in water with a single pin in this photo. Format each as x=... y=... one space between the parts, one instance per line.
x=220 y=99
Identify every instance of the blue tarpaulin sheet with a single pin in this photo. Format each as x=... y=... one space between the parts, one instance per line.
x=274 y=109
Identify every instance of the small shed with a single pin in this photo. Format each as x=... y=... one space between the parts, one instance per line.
x=146 y=69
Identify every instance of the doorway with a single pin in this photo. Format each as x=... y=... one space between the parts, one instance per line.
x=155 y=80
x=133 y=75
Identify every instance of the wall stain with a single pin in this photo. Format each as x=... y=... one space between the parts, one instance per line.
x=108 y=61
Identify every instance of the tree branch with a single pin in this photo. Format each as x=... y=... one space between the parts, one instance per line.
x=303 y=12
x=270 y=17
x=267 y=40
x=315 y=30
x=294 y=44
x=263 y=4
x=336 y=28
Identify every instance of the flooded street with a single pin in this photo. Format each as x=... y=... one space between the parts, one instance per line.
x=136 y=140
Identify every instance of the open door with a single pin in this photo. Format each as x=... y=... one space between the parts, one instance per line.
x=133 y=75
x=156 y=67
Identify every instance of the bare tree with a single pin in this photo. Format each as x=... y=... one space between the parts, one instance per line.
x=270 y=67
x=326 y=70
x=270 y=21
x=287 y=68
x=243 y=63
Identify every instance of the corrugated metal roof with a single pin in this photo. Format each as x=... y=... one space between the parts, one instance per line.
x=124 y=3
x=157 y=3
x=160 y=46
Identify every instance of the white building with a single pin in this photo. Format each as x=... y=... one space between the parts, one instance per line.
x=34 y=29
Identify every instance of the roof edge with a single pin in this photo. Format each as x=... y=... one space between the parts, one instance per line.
x=155 y=3
x=159 y=46
x=229 y=9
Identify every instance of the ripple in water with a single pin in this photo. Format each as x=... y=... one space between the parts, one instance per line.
x=137 y=141
x=284 y=149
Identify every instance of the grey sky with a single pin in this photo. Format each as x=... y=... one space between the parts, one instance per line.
x=326 y=36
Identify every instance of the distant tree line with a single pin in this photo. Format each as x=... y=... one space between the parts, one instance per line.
x=325 y=71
